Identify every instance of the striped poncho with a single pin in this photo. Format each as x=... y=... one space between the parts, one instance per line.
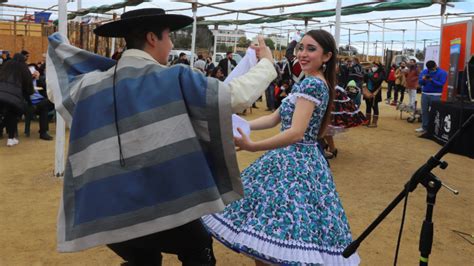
x=176 y=138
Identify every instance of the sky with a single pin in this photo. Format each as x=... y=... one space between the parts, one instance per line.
x=429 y=32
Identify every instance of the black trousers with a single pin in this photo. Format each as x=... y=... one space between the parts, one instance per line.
x=371 y=104
x=191 y=242
x=399 y=89
x=42 y=109
x=10 y=121
x=391 y=84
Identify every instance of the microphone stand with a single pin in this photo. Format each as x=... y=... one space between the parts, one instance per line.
x=432 y=184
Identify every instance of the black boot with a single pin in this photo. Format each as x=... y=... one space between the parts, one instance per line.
x=374 y=122
x=45 y=136
x=369 y=119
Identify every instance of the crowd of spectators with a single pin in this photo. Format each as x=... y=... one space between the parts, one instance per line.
x=23 y=95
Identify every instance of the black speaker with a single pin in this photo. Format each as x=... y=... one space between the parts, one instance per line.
x=470 y=78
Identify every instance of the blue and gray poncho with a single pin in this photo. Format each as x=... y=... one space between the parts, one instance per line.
x=176 y=138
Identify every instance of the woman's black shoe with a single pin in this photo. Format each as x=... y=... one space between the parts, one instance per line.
x=330 y=154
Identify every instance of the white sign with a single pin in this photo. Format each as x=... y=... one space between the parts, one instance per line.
x=432 y=53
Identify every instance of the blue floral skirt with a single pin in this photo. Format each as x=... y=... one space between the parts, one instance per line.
x=291 y=213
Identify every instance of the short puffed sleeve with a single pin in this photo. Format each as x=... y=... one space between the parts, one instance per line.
x=312 y=89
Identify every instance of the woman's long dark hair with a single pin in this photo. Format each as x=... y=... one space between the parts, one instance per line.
x=327 y=42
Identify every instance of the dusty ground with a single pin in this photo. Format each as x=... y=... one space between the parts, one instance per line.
x=29 y=197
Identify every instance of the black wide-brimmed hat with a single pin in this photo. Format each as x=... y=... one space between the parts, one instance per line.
x=142 y=17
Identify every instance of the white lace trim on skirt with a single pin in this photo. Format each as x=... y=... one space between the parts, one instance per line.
x=273 y=249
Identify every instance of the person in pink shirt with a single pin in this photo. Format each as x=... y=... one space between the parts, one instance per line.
x=412 y=82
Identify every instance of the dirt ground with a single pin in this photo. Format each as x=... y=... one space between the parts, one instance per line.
x=371 y=169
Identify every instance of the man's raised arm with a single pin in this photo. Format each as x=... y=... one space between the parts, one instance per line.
x=246 y=89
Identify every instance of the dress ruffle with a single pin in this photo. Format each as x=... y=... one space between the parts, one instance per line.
x=291 y=213
x=293 y=96
x=345 y=114
x=278 y=251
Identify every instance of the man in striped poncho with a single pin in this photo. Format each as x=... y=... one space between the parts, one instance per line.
x=151 y=147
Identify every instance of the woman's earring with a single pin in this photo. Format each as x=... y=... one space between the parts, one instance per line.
x=324 y=67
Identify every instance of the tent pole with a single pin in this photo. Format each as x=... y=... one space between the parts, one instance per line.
x=193 y=40
x=368 y=41
x=403 y=41
x=112 y=48
x=79 y=7
x=236 y=32
x=416 y=35
x=375 y=45
x=60 y=124
x=216 y=32
x=363 y=49
x=349 y=37
x=337 y=33
x=288 y=39
x=442 y=13
x=383 y=42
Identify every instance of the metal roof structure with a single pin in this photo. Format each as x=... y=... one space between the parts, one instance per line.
x=272 y=17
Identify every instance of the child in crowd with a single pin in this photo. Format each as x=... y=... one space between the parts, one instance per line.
x=353 y=92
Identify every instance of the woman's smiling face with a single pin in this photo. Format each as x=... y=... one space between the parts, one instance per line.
x=310 y=55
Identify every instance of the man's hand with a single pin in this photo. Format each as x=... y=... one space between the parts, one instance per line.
x=35 y=75
x=262 y=50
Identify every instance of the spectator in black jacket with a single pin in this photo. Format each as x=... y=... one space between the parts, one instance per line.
x=372 y=93
x=342 y=74
x=292 y=72
x=182 y=59
x=356 y=73
x=16 y=86
x=227 y=64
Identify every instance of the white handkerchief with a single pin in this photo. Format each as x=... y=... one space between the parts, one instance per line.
x=249 y=61
x=238 y=121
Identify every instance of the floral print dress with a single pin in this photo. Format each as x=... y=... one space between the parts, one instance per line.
x=291 y=213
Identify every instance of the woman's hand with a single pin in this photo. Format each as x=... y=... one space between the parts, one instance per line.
x=244 y=142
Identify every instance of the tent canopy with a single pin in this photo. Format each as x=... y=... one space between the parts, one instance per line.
x=348 y=10
x=105 y=8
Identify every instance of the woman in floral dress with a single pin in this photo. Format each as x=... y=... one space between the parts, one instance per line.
x=291 y=213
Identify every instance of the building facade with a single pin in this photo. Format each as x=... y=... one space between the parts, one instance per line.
x=278 y=40
x=228 y=37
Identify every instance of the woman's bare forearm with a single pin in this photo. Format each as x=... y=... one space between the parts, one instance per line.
x=264 y=122
x=284 y=138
